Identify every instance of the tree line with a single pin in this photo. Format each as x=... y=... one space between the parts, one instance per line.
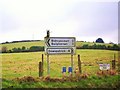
x=98 y=46
x=20 y=41
x=23 y=49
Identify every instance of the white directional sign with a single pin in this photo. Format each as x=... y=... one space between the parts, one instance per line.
x=60 y=42
x=59 y=51
x=60 y=45
x=104 y=66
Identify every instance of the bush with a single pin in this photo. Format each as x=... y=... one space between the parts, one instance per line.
x=85 y=46
x=114 y=47
x=23 y=48
x=36 y=48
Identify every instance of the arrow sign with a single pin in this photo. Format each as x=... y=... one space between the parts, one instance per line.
x=59 y=51
x=60 y=42
x=60 y=45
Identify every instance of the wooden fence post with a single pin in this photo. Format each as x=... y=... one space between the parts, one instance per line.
x=42 y=59
x=113 y=63
x=42 y=63
x=119 y=64
x=40 y=69
x=79 y=64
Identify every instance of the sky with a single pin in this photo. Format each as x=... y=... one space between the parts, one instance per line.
x=86 y=20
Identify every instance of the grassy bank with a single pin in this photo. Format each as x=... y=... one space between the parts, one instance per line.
x=91 y=82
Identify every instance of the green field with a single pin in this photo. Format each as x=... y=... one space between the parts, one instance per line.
x=16 y=65
x=41 y=43
x=20 y=44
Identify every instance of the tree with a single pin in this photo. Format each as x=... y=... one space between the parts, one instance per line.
x=115 y=47
x=4 y=49
x=23 y=48
x=99 y=40
x=36 y=48
x=85 y=46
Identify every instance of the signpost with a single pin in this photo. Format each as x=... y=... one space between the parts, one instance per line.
x=59 y=45
x=104 y=66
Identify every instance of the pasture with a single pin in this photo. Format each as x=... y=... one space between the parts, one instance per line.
x=20 y=44
x=10 y=46
x=15 y=65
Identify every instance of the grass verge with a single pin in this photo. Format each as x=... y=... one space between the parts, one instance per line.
x=91 y=82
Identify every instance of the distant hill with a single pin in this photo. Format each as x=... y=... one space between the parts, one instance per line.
x=20 y=41
x=79 y=44
x=19 y=44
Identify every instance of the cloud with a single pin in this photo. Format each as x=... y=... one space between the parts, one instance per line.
x=22 y=19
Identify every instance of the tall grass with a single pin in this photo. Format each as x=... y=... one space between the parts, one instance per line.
x=20 y=64
x=91 y=82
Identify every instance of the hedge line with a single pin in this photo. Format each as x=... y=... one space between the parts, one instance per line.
x=23 y=49
x=95 y=46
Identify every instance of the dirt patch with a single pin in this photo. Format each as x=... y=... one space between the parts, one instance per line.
x=27 y=79
x=55 y=79
x=75 y=78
